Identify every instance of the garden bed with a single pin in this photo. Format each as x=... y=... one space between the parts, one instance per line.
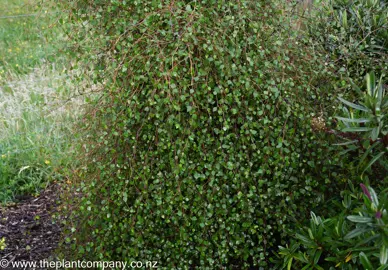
x=30 y=230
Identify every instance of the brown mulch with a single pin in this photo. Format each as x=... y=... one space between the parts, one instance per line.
x=31 y=233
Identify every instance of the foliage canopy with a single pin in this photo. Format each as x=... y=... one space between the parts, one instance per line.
x=202 y=153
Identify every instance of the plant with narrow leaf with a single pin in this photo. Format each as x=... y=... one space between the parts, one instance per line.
x=354 y=33
x=357 y=238
x=364 y=20
x=368 y=121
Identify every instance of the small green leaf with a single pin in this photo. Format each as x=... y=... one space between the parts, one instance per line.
x=374 y=197
x=354 y=106
x=369 y=150
x=306 y=241
x=356 y=129
x=289 y=265
x=373 y=160
x=364 y=241
x=310 y=234
x=350 y=120
x=355 y=87
x=316 y=219
x=375 y=133
x=380 y=93
x=317 y=256
x=383 y=255
x=383 y=267
x=370 y=83
x=356 y=232
x=344 y=19
x=359 y=219
x=365 y=261
x=346 y=143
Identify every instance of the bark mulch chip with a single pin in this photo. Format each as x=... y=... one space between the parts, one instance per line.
x=30 y=231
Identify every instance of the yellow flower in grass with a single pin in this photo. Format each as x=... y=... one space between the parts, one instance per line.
x=3 y=156
x=47 y=162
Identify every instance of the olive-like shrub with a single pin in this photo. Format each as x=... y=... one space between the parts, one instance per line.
x=354 y=34
x=200 y=151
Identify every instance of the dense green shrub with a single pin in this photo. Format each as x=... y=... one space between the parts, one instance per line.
x=200 y=150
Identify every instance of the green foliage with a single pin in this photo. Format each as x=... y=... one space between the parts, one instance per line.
x=35 y=140
x=2 y=244
x=28 y=37
x=363 y=20
x=199 y=151
x=354 y=33
x=357 y=238
x=36 y=111
x=368 y=118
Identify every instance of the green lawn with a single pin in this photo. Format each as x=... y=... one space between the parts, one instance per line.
x=35 y=120
x=28 y=36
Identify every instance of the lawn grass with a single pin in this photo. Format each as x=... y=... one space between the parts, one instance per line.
x=28 y=36
x=36 y=109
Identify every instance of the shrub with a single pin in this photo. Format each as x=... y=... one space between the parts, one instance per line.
x=200 y=149
x=344 y=241
x=368 y=122
x=354 y=34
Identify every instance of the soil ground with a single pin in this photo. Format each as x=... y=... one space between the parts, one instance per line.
x=30 y=230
